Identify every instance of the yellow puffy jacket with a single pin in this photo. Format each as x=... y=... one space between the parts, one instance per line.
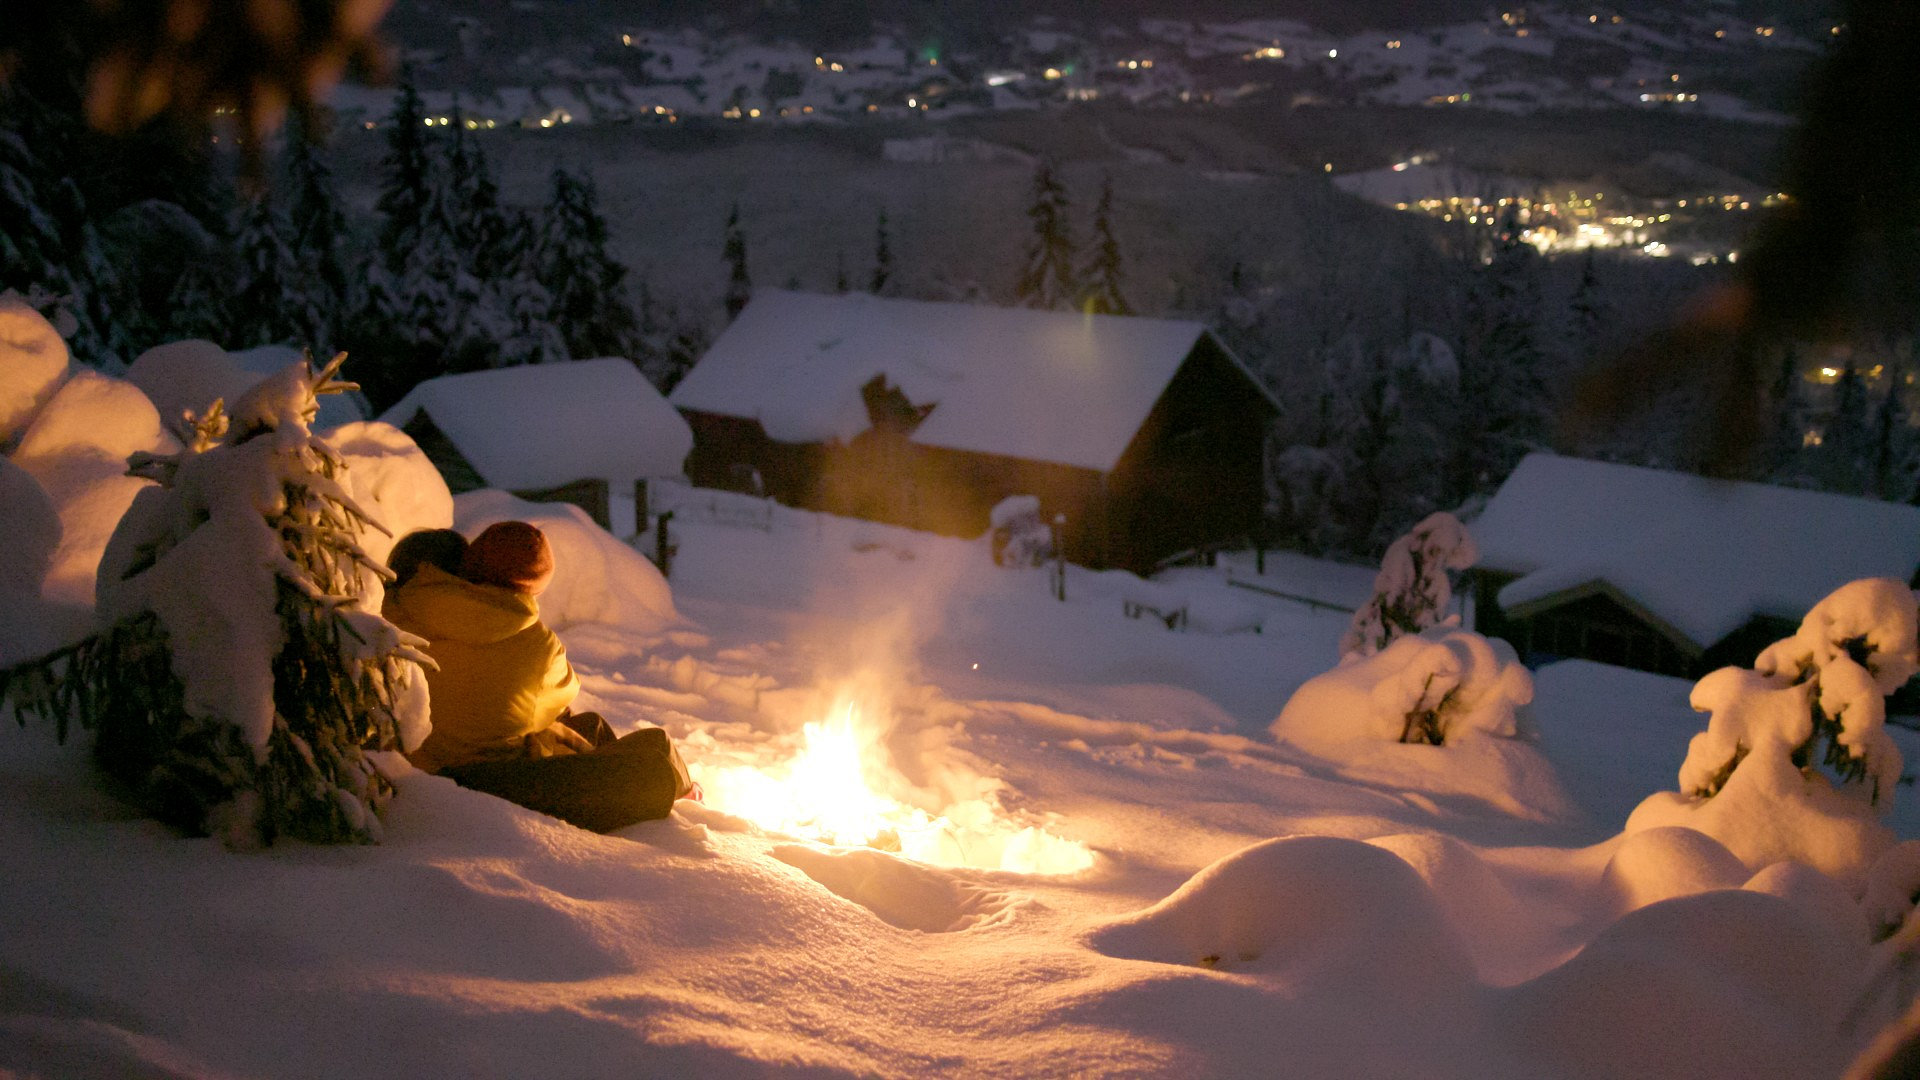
x=503 y=675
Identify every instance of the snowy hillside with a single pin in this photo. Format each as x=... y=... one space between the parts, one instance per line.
x=1120 y=871
x=611 y=67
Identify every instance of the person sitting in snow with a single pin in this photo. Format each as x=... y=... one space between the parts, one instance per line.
x=501 y=694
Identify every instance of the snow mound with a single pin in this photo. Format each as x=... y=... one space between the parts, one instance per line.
x=29 y=625
x=1753 y=778
x=1311 y=910
x=391 y=479
x=97 y=415
x=596 y=578
x=909 y=895
x=77 y=448
x=1818 y=896
x=1651 y=995
x=1765 y=815
x=1660 y=864
x=186 y=376
x=1479 y=904
x=1893 y=887
x=1470 y=688
x=33 y=530
x=33 y=358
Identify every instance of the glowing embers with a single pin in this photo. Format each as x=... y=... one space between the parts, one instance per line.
x=833 y=791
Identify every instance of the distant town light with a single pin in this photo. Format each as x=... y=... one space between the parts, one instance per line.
x=627 y=40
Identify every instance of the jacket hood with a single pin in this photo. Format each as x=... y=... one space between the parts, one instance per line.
x=437 y=605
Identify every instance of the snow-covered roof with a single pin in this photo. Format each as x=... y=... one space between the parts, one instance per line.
x=1039 y=385
x=543 y=425
x=1703 y=556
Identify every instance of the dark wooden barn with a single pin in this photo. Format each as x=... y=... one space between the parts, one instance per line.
x=1665 y=571
x=1145 y=434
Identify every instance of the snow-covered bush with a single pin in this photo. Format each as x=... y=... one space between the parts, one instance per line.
x=1411 y=592
x=1020 y=538
x=235 y=686
x=1796 y=758
x=1430 y=687
x=1441 y=712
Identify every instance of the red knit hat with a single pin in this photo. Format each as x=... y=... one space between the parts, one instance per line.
x=512 y=554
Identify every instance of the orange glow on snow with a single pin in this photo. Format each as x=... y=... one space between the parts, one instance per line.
x=827 y=792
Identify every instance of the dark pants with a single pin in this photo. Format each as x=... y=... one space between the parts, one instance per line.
x=632 y=778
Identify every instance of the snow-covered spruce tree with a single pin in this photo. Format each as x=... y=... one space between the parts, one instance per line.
x=1784 y=419
x=1503 y=388
x=1891 y=459
x=1411 y=592
x=882 y=257
x=1103 y=273
x=238 y=685
x=317 y=237
x=406 y=174
x=734 y=252
x=588 y=286
x=1048 y=280
x=50 y=247
x=1795 y=762
x=1814 y=701
x=481 y=224
x=530 y=336
x=1586 y=313
x=268 y=307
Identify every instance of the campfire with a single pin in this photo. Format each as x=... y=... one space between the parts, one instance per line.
x=833 y=790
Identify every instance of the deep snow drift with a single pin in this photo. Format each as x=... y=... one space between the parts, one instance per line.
x=1252 y=906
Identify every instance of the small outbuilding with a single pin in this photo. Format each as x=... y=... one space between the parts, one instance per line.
x=587 y=432
x=1667 y=571
x=1147 y=435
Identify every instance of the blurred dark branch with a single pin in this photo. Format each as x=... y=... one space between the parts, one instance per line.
x=1837 y=263
x=137 y=61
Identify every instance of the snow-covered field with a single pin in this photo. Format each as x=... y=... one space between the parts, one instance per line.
x=1244 y=910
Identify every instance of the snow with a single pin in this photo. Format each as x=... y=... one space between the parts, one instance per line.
x=33 y=361
x=1703 y=556
x=596 y=578
x=1474 y=690
x=182 y=376
x=77 y=448
x=998 y=378
x=1250 y=907
x=391 y=479
x=1742 y=782
x=545 y=425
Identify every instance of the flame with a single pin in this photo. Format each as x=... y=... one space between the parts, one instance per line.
x=826 y=792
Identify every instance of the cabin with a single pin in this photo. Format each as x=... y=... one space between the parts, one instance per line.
x=1665 y=571
x=587 y=432
x=1145 y=435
